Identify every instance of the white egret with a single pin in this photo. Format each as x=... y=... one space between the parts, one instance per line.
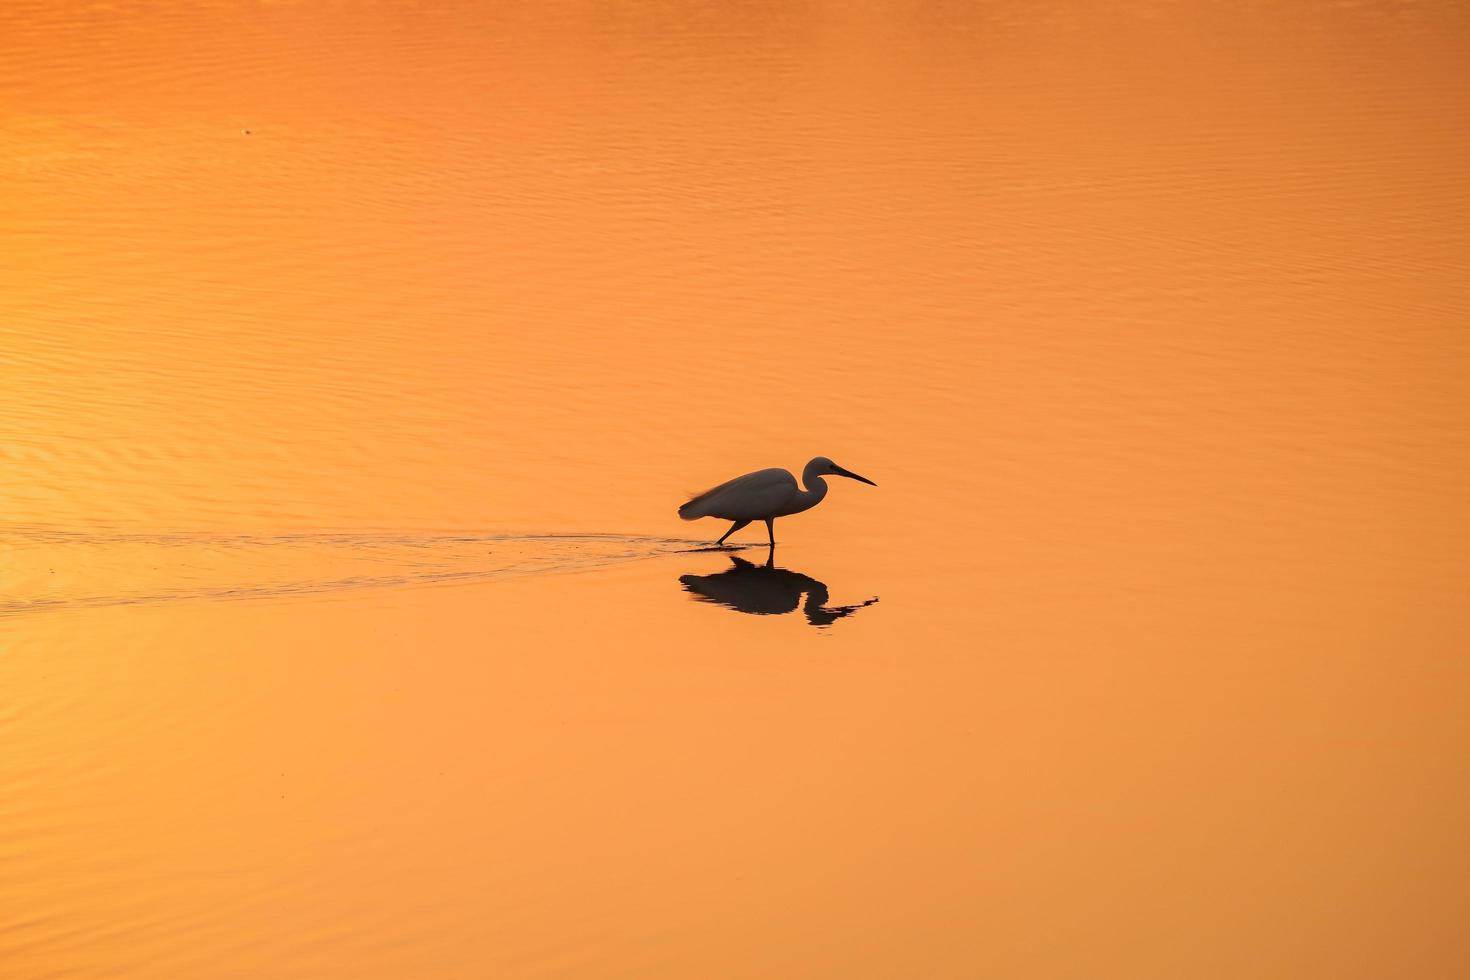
x=766 y=495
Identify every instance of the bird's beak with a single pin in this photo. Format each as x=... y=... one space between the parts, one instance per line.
x=851 y=475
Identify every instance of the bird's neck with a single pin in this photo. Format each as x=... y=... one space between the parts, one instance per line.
x=816 y=489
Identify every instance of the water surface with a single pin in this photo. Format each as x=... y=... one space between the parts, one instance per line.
x=353 y=361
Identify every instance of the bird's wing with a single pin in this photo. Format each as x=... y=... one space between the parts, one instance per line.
x=746 y=498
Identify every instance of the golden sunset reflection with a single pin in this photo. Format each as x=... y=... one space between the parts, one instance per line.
x=357 y=356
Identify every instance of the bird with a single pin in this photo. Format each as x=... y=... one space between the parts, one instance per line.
x=766 y=495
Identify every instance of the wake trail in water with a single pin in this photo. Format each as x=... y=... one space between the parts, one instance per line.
x=44 y=568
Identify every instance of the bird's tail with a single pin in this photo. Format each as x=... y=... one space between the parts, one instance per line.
x=693 y=508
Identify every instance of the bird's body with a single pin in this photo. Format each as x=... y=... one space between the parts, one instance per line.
x=765 y=495
x=754 y=496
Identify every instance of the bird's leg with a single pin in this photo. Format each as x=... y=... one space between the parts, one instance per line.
x=733 y=528
x=771 y=530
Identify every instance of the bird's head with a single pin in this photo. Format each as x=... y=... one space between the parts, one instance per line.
x=822 y=466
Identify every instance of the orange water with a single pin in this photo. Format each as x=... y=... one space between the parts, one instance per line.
x=355 y=358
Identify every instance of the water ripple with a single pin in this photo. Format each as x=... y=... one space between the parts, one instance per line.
x=52 y=568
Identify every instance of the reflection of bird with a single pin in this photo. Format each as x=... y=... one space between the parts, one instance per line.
x=766 y=495
x=764 y=590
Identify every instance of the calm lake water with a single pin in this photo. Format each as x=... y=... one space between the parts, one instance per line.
x=355 y=359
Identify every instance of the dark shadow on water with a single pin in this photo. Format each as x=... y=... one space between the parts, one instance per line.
x=767 y=590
